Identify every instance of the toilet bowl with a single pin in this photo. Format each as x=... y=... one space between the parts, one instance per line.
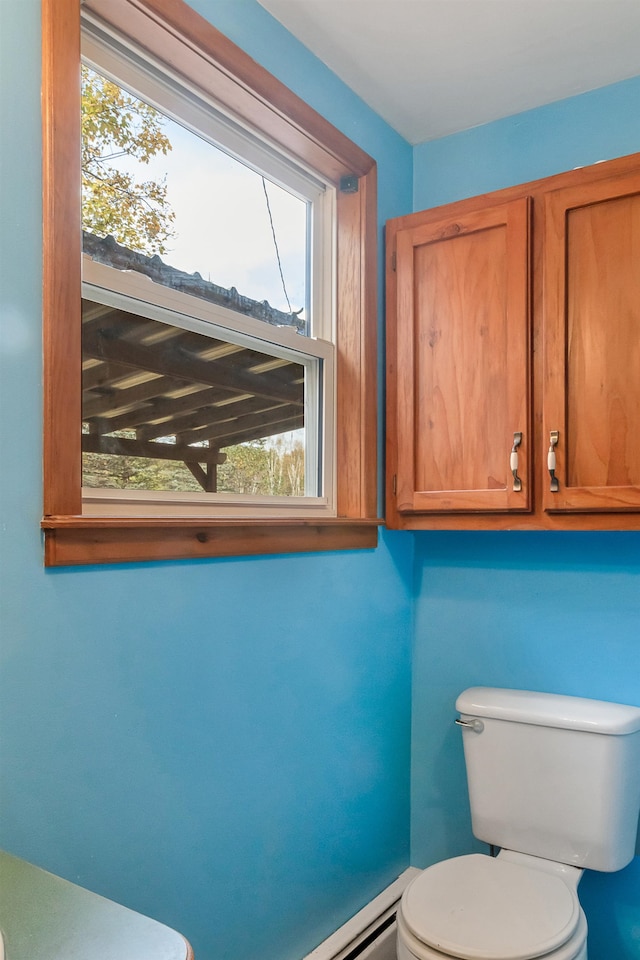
x=554 y=782
x=475 y=907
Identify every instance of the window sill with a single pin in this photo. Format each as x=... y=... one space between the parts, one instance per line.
x=75 y=540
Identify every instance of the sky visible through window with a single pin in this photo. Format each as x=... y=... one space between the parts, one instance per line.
x=222 y=222
x=224 y=228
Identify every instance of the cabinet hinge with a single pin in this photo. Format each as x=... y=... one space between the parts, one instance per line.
x=394 y=484
x=393 y=262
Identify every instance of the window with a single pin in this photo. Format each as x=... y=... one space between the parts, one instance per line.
x=195 y=395
x=202 y=420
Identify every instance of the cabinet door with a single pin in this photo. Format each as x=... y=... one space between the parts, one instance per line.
x=462 y=352
x=591 y=303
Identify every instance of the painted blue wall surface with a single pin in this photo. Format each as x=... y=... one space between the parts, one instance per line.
x=222 y=745
x=556 y=612
x=537 y=143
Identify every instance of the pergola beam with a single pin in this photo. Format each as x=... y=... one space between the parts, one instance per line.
x=129 y=447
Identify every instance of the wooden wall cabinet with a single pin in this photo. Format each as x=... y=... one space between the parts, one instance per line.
x=513 y=357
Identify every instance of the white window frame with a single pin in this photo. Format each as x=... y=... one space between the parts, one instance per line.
x=139 y=295
x=105 y=53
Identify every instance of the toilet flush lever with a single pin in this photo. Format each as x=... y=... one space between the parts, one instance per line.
x=476 y=725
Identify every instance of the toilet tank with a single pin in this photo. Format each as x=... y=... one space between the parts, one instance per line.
x=553 y=776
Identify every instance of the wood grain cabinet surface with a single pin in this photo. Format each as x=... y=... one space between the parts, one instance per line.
x=513 y=357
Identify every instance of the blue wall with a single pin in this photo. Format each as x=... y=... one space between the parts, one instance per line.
x=547 y=611
x=538 y=143
x=222 y=745
x=225 y=745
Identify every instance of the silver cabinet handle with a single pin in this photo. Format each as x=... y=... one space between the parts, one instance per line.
x=554 y=436
x=513 y=462
x=476 y=725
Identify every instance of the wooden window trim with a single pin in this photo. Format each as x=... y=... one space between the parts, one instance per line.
x=174 y=32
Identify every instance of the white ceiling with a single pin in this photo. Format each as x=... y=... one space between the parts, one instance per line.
x=434 y=67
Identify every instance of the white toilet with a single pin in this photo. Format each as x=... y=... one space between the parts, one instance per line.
x=555 y=783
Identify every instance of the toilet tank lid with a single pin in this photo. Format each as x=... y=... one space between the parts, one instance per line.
x=549 y=710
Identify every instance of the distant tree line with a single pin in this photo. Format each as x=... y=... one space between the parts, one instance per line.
x=261 y=468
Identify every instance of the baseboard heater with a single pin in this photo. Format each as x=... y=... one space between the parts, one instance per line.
x=371 y=933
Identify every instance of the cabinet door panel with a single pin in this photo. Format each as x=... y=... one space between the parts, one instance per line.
x=463 y=343
x=592 y=344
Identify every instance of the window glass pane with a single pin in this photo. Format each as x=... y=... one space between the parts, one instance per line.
x=188 y=214
x=167 y=408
